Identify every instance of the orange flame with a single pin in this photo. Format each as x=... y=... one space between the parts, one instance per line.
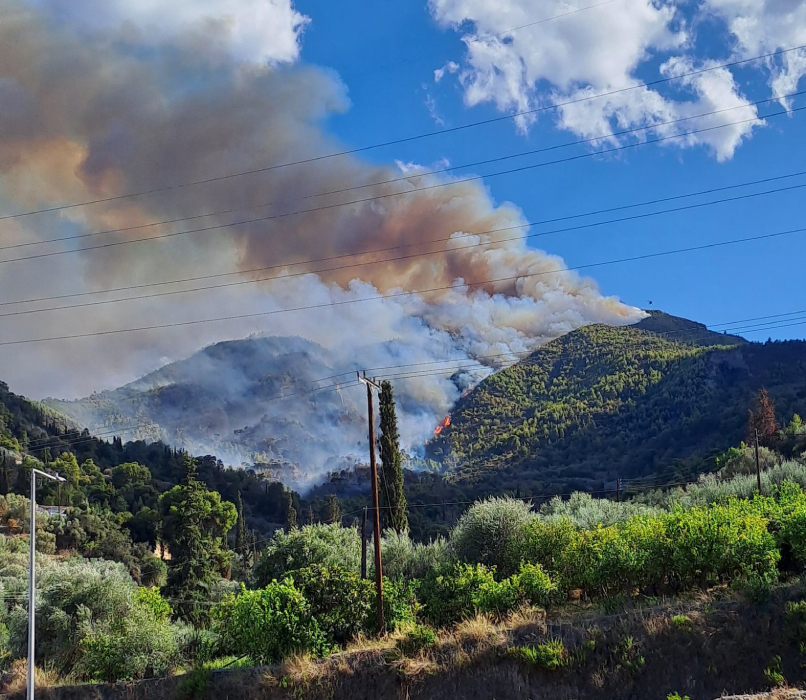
x=442 y=425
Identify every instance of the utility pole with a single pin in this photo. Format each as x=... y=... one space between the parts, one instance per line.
x=364 y=544
x=32 y=580
x=376 y=517
x=618 y=490
x=758 y=465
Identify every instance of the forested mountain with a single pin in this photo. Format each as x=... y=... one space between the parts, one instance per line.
x=227 y=399
x=601 y=403
x=42 y=434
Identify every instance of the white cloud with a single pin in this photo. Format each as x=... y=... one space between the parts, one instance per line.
x=766 y=26
x=261 y=31
x=598 y=51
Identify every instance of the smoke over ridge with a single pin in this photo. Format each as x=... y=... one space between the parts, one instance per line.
x=88 y=115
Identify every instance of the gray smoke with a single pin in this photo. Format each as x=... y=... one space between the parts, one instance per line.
x=85 y=116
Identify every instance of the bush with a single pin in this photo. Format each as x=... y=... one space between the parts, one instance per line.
x=151 y=600
x=76 y=597
x=325 y=545
x=550 y=656
x=138 y=645
x=269 y=624
x=45 y=542
x=682 y=622
x=535 y=585
x=404 y=559
x=498 y=598
x=400 y=606
x=546 y=541
x=587 y=512
x=417 y=639
x=773 y=673
x=492 y=532
x=742 y=461
x=724 y=542
x=453 y=594
x=341 y=602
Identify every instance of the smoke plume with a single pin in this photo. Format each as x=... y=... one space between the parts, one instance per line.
x=90 y=115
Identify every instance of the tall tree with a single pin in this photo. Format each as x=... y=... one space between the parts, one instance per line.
x=392 y=498
x=194 y=523
x=290 y=513
x=240 y=527
x=332 y=509
x=762 y=419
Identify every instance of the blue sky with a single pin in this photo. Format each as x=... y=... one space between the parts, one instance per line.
x=386 y=54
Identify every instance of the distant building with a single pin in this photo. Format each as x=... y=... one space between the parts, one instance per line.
x=52 y=510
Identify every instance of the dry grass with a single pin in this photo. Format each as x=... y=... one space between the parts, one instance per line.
x=300 y=669
x=477 y=630
x=416 y=666
x=363 y=644
x=16 y=677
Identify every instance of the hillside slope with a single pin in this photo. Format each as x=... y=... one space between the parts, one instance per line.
x=224 y=399
x=603 y=403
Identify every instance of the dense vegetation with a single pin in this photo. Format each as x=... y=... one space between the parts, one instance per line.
x=159 y=562
x=603 y=403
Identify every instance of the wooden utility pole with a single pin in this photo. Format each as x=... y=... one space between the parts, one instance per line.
x=758 y=465
x=618 y=490
x=364 y=544
x=376 y=517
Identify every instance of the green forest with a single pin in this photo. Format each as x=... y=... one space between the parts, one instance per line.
x=605 y=403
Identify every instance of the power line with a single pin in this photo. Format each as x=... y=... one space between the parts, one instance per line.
x=405 y=178
x=451 y=249
x=527 y=362
x=510 y=171
x=459 y=365
x=117 y=430
x=408 y=139
x=421 y=243
x=344 y=302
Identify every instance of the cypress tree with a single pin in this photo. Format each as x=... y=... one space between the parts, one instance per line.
x=392 y=498
x=290 y=514
x=240 y=525
x=333 y=509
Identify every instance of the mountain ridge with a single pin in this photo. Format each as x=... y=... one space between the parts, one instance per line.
x=604 y=402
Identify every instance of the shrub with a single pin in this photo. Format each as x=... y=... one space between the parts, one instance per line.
x=151 y=600
x=341 y=601
x=269 y=624
x=740 y=461
x=627 y=657
x=400 y=605
x=453 y=594
x=405 y=559
x=535 y=585
x=722 y=542
x=137 y=645
x=45 y=542
x=587 y=512
x=682 y=622
x=417 y=639
x=550 y=656
x=76 y=597
x=492 y=532
x=498 y=597
x=325 y=545
x=546 y=541
x=773 y=673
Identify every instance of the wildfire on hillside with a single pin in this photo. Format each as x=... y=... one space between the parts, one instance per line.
x=442 y=425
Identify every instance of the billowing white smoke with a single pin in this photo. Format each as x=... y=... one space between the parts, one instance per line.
x=86 y=117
